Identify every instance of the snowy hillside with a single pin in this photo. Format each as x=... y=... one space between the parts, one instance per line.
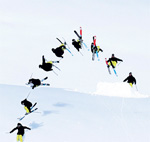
x=69 y=116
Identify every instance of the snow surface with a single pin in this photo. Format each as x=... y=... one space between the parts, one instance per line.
x=70 y=116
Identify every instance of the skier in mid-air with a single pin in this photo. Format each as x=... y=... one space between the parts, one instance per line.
x=76 y=44
x=113 y=61
x=95 y=50
x=27 y=105
x=47 y=66
x=36 y=82
x=130 y=79
x=59 y=51
x=20 y=132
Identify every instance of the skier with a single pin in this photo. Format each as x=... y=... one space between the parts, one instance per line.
x=36 y=82
x=20 y=133
x=95 y=50
x=130 y=79
x=47 y=66
x=27 y=105
x=113 y=61
x=59 y=51
x=76 y=44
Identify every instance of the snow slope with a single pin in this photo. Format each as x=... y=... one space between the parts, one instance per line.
x=68 y=116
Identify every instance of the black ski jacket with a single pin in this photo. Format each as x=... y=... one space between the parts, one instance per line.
x=59 y=51
x=35 y=82
x=46 y=66
x=27 y=103
x=76 y=45
x=114 y=59
x=130 y=79
x=94 y=48
x=20 y=130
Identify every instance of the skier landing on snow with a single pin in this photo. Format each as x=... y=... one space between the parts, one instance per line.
x=130 y=79
x=113 y=61
x=20 y=132
x=47 y=66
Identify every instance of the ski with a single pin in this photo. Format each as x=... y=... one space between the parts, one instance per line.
x=97 y=56
x=77 y=34
x=94 y=40
x=65 y=43
x=107 y=65
x=56 y=67
x=33 y=106
x=93 y=56
x=81 y=32
x=45 y=84
x=115 y=72
x=80 y=38
x=44 y=79
x=27 y=114
x=69 y=51
x=59 y=40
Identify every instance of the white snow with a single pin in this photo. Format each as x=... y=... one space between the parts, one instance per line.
x=118 y=89
x=71 y=116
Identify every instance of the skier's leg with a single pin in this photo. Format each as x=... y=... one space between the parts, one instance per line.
x=131 y=84
x=27 y=110
x=112 y=64
x=19 y=138
x=43 y=60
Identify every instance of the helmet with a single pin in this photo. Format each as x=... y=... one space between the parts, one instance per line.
x=53 y=49
x=73 y=39
x=113 y=55
x=130 y=73
x=22 y=102
x=19 y=124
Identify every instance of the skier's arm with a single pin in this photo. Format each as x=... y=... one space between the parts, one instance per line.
x=119 y=59
x=13 y=130
x=27 y=128
x=109 y=60
x=125 y=79
x=134 y=80
x=101 y=50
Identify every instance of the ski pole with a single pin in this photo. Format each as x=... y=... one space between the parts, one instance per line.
x=55 y=73
x=56 y=67
x=69 y=51
x=119 y=63
x=80 y=53
x=31 y=76
x=136 y=87
x=28 y=95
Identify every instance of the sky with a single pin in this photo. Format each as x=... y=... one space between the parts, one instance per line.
x=28 y=30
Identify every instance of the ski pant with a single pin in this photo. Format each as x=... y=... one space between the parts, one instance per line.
x=131 y=84
x=27 y=110
x=19 y=138
x=112 y=63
